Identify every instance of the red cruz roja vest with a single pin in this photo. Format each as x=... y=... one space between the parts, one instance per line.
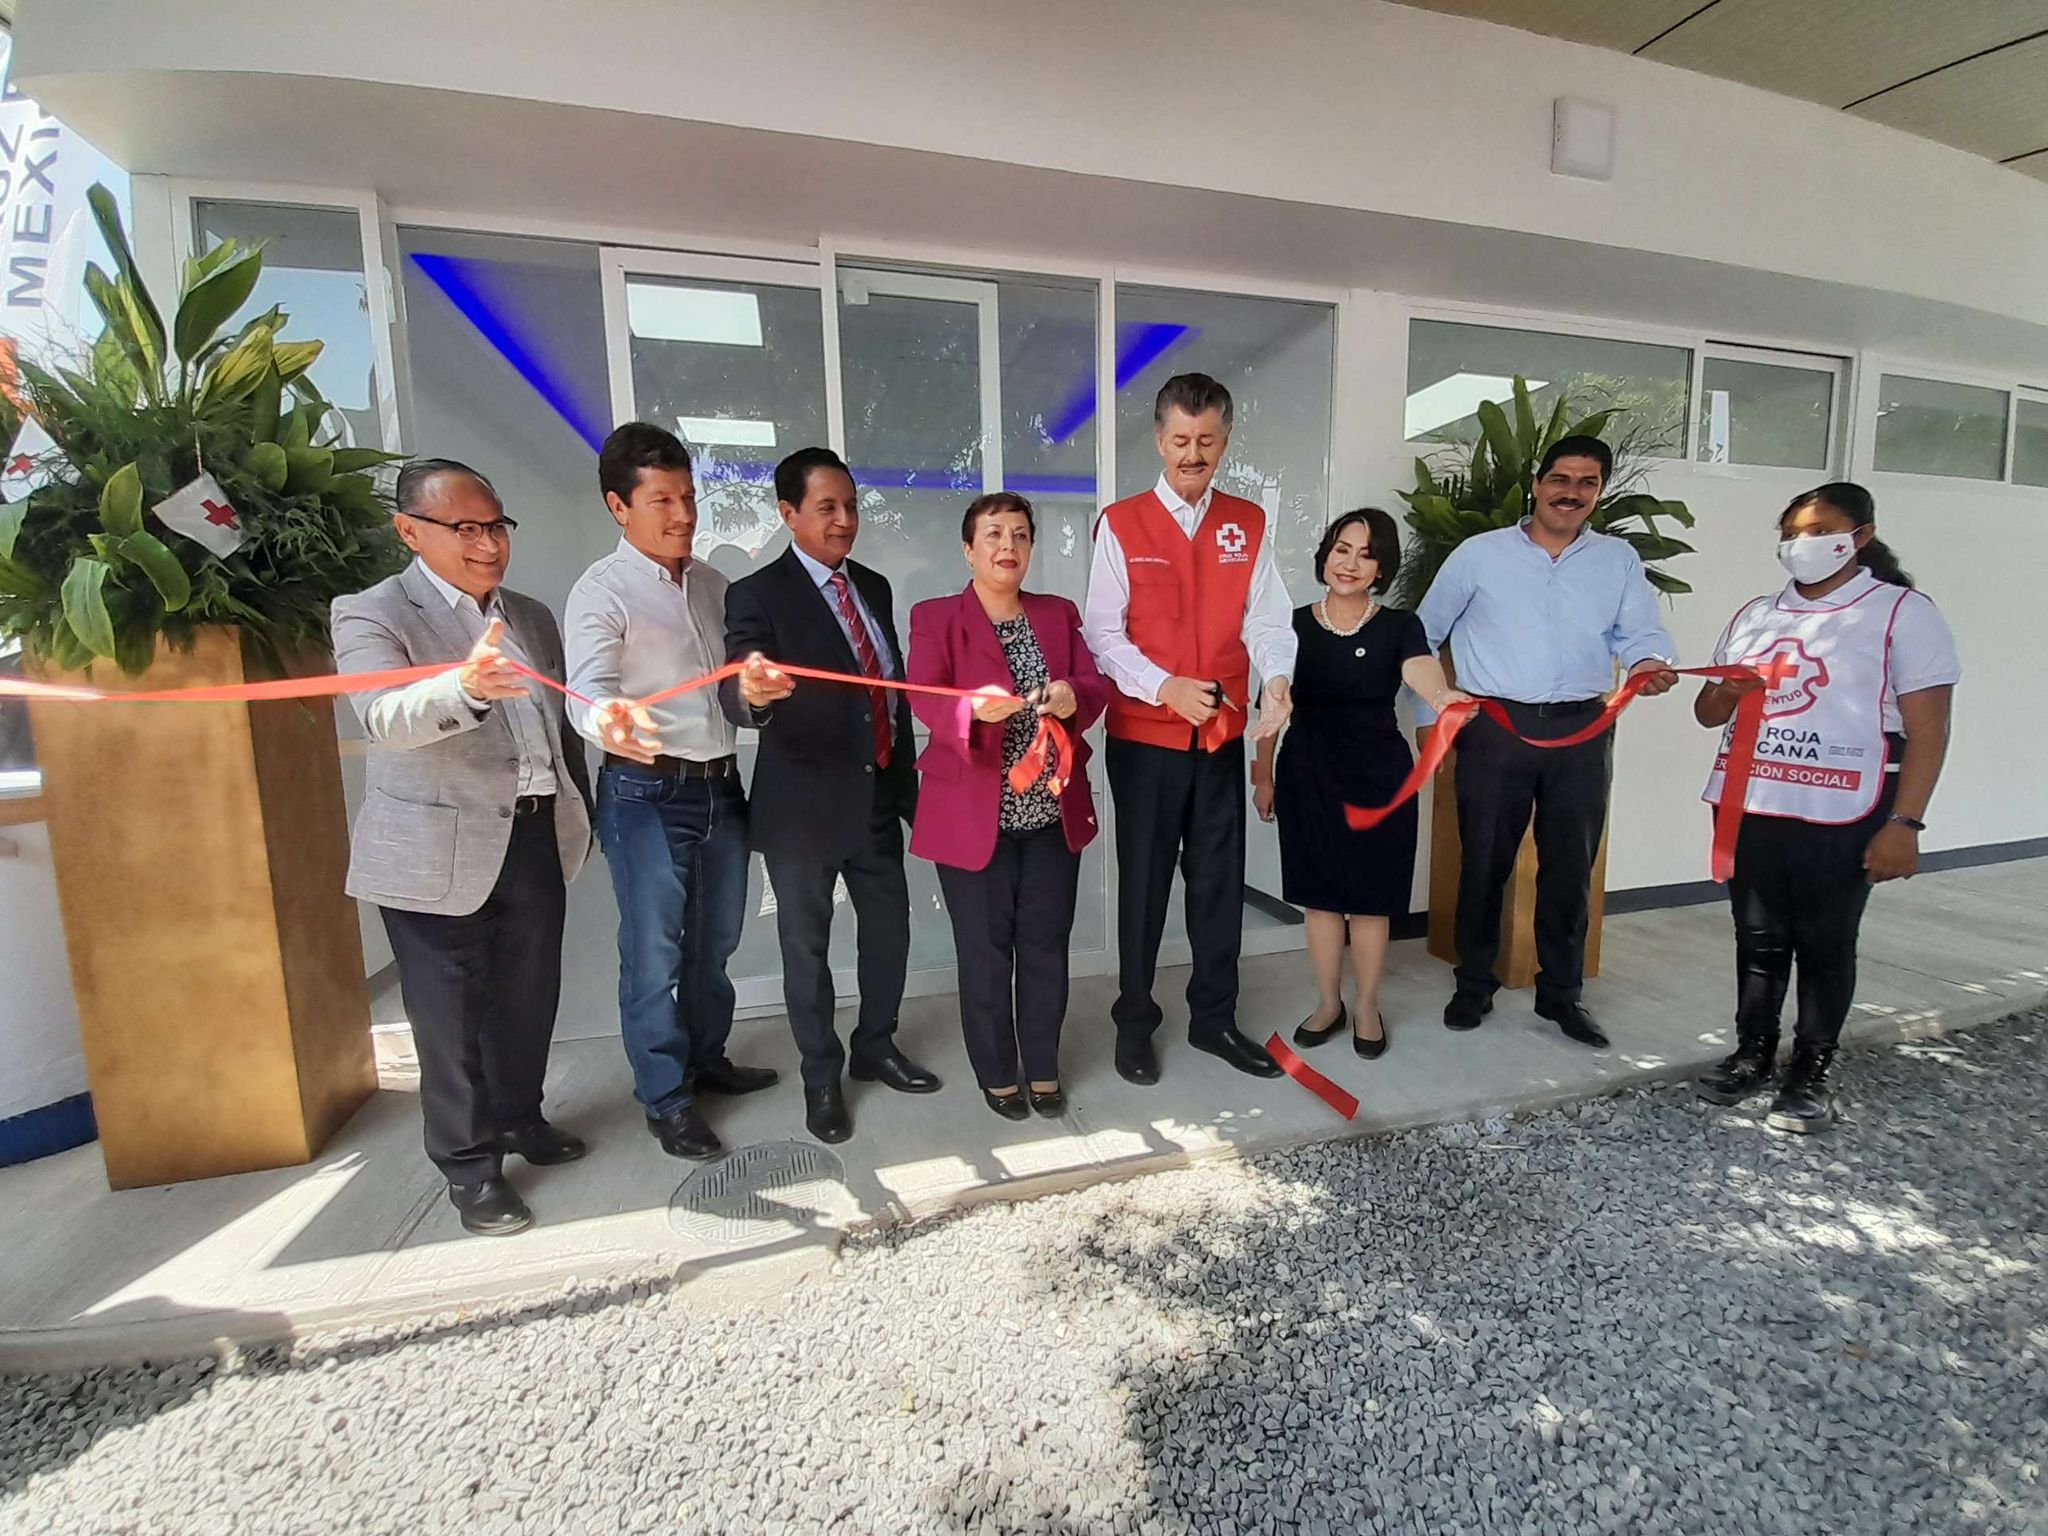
x=1187 y=610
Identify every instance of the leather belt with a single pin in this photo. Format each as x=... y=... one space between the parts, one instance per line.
x=1565 y=707
x=528 y=805
x=679 y=767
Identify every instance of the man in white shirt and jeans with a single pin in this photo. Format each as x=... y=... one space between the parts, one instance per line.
x=1184 y=605
x=671 y=814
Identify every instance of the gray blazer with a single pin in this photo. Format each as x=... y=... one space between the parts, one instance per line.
x=441 y=778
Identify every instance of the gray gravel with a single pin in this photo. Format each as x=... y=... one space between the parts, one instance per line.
x=1643 y=1315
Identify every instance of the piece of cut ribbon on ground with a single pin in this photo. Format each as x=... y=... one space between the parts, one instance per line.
x=1749 y=716
x=1288 y=1060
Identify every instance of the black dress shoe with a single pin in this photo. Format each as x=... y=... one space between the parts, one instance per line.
x=825 y=1115
x=1305 y=1036
x=491 y=1208
x=1573 y=1019
x=1803 y=1104
x=1232 y=1047
x=1743 y=1071
x=1051 y=1105
x=541 y=1144
x=683 y=1133
x=897 y=1071
x=1136 y=1061
x=1011 y=1105
x=1466 y=1009
x=1371 y=1050
x=729 y=1078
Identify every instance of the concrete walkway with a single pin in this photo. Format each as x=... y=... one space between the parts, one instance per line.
x=363 y=1235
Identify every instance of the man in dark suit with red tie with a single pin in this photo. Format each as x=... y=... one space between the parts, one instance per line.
x=833 y=779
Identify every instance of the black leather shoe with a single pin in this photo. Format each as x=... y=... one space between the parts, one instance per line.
x=897 y=1071
x=1741 y=1073
x=1373 y=1049
x=491 y=1208
x=683 y=1133
x=1803 y=1104
x=1011 y=1105
x=1051 y=1105
x=825 y=1115
x=1304 y=1036
x=1232 y=1047
x=727 y=1077
x=541 y=1144
x=1576 y=1023
x=1466 y=1009
x=1136 y=1061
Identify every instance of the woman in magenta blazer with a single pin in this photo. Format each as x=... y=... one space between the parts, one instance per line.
x=1009 y=862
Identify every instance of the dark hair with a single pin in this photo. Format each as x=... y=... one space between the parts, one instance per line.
x=633 y=447
x=995 y=501
x=793 y=474
x=1193 y=393
x=1382 y=543
x=1579 y=446
x=416 y=483
x=1860 y=507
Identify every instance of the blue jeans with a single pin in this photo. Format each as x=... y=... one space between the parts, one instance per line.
x=677 y=848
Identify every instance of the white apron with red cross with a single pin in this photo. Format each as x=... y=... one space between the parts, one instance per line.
x=1820 y=755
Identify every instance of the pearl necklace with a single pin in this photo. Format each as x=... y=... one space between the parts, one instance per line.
x=1323 y=618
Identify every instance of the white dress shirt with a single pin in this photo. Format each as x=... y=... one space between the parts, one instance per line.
x=822 y=574
x=631 y=629
x=1268 y=629
x=523 y=714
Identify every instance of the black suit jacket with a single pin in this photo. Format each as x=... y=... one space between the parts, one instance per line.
x=816 y=787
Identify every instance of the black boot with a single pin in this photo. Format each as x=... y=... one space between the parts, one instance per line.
x=1803 y=1104
x=1740 y=1073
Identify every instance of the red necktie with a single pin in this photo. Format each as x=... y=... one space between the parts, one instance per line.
x=870 y=666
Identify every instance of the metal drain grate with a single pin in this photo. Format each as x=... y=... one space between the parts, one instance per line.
x=759 y=1193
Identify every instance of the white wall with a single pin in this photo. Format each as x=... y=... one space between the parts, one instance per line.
x=40 y=1022
x=1347 y=103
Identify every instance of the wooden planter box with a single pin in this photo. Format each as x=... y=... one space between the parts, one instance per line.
x=200 y=853
x=1516 y=966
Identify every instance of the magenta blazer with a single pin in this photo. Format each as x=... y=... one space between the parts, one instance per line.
x=953 y=643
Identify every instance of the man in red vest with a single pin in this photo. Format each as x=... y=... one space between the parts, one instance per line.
x=1184 y=603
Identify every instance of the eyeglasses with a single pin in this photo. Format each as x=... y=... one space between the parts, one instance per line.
x=472 y=532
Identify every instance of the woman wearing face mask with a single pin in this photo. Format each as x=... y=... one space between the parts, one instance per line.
x=1344 y=746
x=1860 y=668
x=1009 y=860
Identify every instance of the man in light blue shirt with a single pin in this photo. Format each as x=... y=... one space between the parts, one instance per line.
x=1536 y=616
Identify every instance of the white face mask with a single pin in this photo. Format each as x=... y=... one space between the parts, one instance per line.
x=1815 y=559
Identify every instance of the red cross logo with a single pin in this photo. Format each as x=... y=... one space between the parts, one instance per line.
x=20 y=464
x=1230 y=539
x=1792 y=676
x=218 y=513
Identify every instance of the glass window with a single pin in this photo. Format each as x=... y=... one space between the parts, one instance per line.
x=1933 y=427
x=1766 y=413
x=1454 y=367
x=313 y=267
x=2030 y=441
x=1277 y=358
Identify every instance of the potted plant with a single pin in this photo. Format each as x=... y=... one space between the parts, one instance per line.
x=191 y=515
x=1472 y=493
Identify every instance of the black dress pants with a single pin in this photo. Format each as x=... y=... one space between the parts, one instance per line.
x=1500 y=782
x=803 y=924
x=1798 y=893
x=1185 y=806
x=1011 y=924
x=481 y=992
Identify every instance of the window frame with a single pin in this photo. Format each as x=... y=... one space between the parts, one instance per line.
x=2022 y=394
x=1840 y=369
x=1876 y=365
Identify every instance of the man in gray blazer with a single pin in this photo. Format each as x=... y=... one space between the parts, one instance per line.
x=476 y=814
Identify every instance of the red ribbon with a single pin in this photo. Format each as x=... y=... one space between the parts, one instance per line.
x=1749 y=716
x=1289 y=1061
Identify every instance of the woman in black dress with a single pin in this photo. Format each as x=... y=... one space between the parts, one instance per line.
x=1344 y=746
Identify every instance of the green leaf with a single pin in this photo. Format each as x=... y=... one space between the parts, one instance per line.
x=264 y=403
x=267 y=462
x=154 y=559
x=295 y=357
x=349 y=460
x=236 y=374
x=1593 y=425
x=310 y=470
x=1555 y=429
x=1665 y=582
x=17 y=580
x=85 y=605
x=1425 y=481
x=11 y=515
x=121 y=502
x=135 y=642
x=208 y=306
x=296 y=430
x=148 y=322
x=1500 y=438
x=1525 y=418
x=199 y=268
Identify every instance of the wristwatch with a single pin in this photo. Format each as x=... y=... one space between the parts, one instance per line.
x=1907 y=821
